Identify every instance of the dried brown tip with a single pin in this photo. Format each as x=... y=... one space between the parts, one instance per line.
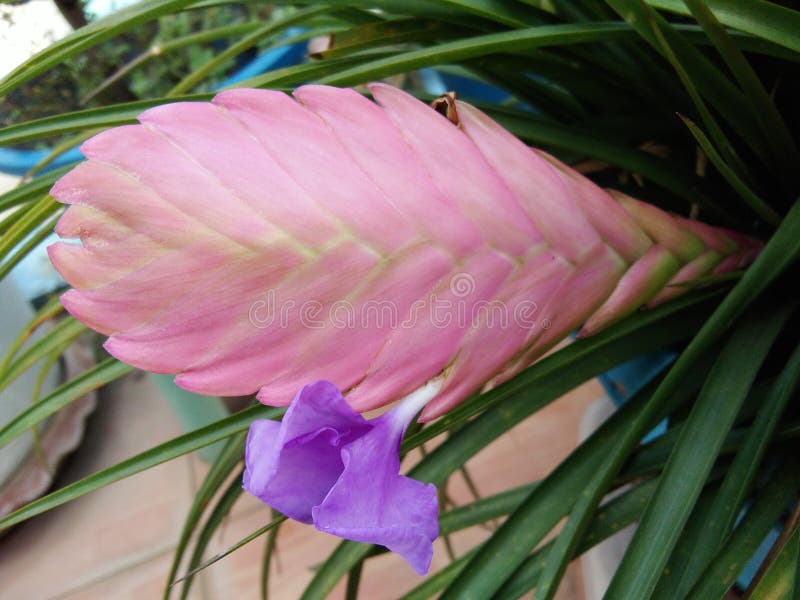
x=446 y=105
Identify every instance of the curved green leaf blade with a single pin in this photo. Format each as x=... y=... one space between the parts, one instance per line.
x=742 y=544
x=779 y=139
x=226 y=461
x=780 y=581
x=745 y=193
x=505 y=42
x=58 y=339
x=690 y=463
x=736 y=484
x=89 y=36
x=767 y=20
x=96 y=377
x=218 y=513
x=155 y=456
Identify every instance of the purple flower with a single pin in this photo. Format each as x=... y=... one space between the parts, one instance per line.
x=325 y=464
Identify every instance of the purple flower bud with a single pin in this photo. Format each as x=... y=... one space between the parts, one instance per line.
x=326 y=464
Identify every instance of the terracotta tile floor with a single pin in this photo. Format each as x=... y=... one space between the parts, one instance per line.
x=117 y=542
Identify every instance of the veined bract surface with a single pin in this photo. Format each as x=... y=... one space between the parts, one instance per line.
x=261 y=242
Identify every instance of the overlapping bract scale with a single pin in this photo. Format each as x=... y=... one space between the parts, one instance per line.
x=259 y=242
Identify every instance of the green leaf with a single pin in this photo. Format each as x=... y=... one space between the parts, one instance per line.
x=483 y=12
x=226 y=461
x=353 y=580
x=173 y=448
x=36 y=189
x=767 y=20
x=58 y=339
x=780 y=579
x=745 y=193
x=596 y=459
x=93 y=118
x=511 y=42
x=297 y=74
x=32 y=218
x=483 y=510
x=773 y=499
x=220 y=555
x=690 y=463
x=611 y=518
x=719 y=137
x=779 y=141
x=563 y=548
x=271 y=28
x=58 y=150
x=89 y=36
x=393 y=31
x=269 y=552
x=96 y=377
x=737 y=483
x=545 y=96
x=49 y=310
x=442 y=578
x=506 y=12
x=218 y=513
x=34 y=238
x=711 y=83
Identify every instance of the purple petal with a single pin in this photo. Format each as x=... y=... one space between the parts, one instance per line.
x=292 y=465
x=372 y=503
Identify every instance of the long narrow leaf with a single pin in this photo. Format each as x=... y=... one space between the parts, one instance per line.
x=712 y=84
x=739 y=479
x=269 y=553
x=780 y=581
x=30 y=221
x=779 y=140
x=221 y=510
x=49 y=310
x=745 y=193
x=150 y=458
x=36 y=237
x=94 y=118
x=506 y=42
x=96 y=377
x=58 y=338
x=717 y=134
x=91 y=35
x=759 y=520
x=246 y=540
x=271 y=28
x=596 y=460
x=225 y=462
x=766 y=20
x=690 y=463
x=31 y=190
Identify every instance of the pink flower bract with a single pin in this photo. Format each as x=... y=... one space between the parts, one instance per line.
x=260 y=241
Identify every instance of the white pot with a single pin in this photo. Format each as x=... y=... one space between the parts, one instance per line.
x=15 y=313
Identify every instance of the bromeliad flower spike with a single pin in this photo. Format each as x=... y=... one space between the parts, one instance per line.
x=259 y=242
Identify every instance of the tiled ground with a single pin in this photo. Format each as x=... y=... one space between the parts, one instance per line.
x=116 y=542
